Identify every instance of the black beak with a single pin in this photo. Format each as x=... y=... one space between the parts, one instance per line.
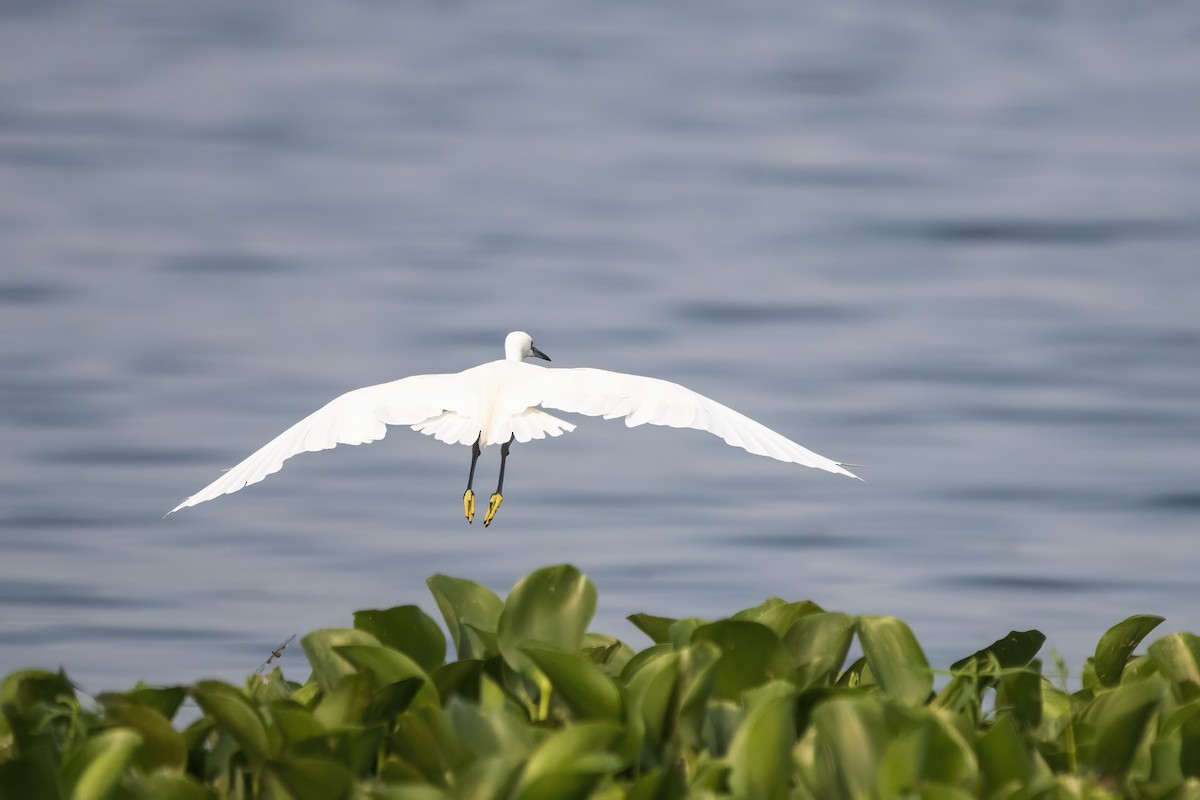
x=533 y=351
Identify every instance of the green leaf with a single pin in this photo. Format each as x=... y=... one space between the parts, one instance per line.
x=321 y=647
x=494 y=776
x=459 y=678
x=1019 y=695
x=895 y=659
x=407 y=629
x=573 y=757
x=312 y=778
x=294 y=722
x=1005 y=756
x=389 y=666
x=234 y=713
x=465 y=602
x=781 y=618
x=106 y=758
x=650 y=692
x=170 y=786
x=923 y=747
x=162 y=746
x=760 y=755
x=850 y=733
x=819 y=643
x=751 y=655
x=1016 y=649
x=657 y=628
x=347 y=702
x=660 y=784
x=1118 y=643
x=581 y=684
x=1178 y=657
x=166 y=700
x=752 y=614
x=550 y=607
x=1113 y=726
x=393 y=699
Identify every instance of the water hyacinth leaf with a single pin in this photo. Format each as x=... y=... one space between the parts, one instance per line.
x=407 y=629
x=294 y=722
x=1118 y=643
x=29 y=698
x=752 y=614
x=104 y=760
x=895 y=659
x=162 y=746
x=1005 y=757
x=465 y=602
x=657 y=628
x=1116 y=723
x=166 y=700
x=1178 y=657
x=682 y=630
x=235 y=714
x=1019 y=695
x=346 y=703
x=819 y=643
x=312 y=779
x=849 y=733
x=924 y=748
x=585 y=751
x=581 y=684
x=650 y=691
x=494 y=776
x=1015 y=650
x=751 y=655
x=169 y=786
x=780 y=618
x=697 y=671
x=389 y=666
x=551 y=607
x=393 y=699
x=321 y=648
x=458 y=678
x=660 y=784
x=760 y=755
x=426 y=744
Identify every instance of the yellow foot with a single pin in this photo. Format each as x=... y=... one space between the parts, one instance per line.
x=493 y=507
x=469 y=505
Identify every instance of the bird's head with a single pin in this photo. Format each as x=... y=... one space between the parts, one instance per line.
x=518 y=346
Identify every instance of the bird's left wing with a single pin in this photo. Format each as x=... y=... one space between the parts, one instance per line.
x=356 y=417
x=640 y=400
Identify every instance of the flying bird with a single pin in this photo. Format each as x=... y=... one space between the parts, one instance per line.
x=502 y=402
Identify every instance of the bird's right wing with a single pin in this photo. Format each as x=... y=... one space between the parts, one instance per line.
x=356 y=417
x=640 y=400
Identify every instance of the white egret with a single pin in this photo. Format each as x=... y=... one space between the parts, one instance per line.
x=501 y=402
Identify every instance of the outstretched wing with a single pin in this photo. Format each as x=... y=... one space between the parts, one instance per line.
x=600 y=393
x=356 y=417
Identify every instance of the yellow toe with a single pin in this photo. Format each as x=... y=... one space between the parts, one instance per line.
x=493 y=507
x=469 y=505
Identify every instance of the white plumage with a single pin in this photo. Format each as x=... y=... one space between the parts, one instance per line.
x=503 y=400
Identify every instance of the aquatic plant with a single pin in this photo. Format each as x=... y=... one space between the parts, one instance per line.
x=762 y=704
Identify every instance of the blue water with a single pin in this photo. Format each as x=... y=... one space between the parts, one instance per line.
x=956 y=243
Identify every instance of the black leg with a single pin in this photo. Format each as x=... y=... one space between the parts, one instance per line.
x=469 y=495
x=498 y=496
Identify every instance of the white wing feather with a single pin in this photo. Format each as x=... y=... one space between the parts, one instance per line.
x=356 y=417
x=600 y=393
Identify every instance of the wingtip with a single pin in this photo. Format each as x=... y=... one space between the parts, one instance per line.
x=843 y=471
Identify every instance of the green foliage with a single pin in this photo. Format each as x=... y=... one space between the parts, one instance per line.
x=760 y=705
